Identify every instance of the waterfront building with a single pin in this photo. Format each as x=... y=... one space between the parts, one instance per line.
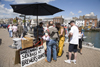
x=75 y=18
x=35 y=20
x=90 y=20
x=10 y=20
x=58 y=19
x=47 y=19
x=80 y=22
x=67 y=21
x=1 y=21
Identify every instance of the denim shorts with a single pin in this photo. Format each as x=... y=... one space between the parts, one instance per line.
x=73 y=48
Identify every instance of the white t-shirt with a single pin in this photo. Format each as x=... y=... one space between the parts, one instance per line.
x=74 y=38
x=10 y=28
x=45 y=28
x=14 y=28
x=80 y=36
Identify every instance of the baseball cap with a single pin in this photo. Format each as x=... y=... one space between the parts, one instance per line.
x=72 y=21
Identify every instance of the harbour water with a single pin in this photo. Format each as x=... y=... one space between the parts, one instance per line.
x=93 y=37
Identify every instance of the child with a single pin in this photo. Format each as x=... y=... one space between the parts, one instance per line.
x=46 y=37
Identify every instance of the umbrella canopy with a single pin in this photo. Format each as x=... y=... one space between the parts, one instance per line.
x=36 y=9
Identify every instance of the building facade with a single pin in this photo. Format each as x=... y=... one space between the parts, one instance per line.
x=80 y=22
x=67 y=21
x=90 y=21
x=47 y=20
x=58 y=19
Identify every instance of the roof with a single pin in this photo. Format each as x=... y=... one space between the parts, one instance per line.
x=90 y=17
x=79 y=19
x=48 y=19
x=58 y=17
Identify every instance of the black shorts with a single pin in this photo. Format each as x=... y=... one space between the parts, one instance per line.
x=80 y=43
x=72 y=48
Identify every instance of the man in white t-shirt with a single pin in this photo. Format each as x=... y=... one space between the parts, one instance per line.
x=73 y=42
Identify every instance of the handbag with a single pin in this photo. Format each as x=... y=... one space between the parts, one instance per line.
x=82 y=38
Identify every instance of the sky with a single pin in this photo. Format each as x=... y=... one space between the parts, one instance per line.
x=72 y=8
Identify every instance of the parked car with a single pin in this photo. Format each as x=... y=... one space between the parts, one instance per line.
x=5 y=25
x=1 y=25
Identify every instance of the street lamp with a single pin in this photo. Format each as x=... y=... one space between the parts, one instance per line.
x=17 y=20
x=24 y=18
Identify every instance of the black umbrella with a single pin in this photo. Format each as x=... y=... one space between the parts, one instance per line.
x=36 y=9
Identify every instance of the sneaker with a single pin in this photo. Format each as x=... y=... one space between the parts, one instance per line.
x=68 y=61
x=74 y=61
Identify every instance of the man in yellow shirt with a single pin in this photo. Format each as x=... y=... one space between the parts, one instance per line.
x=61 y=32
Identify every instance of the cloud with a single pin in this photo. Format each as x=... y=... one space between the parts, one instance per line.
x=71 y=13
x=32 y=1
x=91 y=14
x=79 y=11
x=6 y=13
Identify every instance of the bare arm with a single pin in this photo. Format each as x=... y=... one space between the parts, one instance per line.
x=62 y=30
x=69 y=36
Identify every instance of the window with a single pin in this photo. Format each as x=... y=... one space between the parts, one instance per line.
x=77 y=24
x=87 y=23
x=87 y=20
x=90 y=21
x=93 y=24
x=82 y=24
x=58 y=20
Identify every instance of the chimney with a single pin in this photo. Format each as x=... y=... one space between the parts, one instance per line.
x=61 y=16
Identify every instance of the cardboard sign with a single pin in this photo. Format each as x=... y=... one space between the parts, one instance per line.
x=31 y=55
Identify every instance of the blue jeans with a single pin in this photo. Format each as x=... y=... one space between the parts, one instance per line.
x=10 y=33
x=51 y=44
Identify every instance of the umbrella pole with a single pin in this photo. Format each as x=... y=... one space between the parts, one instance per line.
x=37 y=23
x=24 y=20
x=37 y=28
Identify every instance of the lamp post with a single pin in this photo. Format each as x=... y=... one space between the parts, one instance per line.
x=24 y=18
x=17 y=20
